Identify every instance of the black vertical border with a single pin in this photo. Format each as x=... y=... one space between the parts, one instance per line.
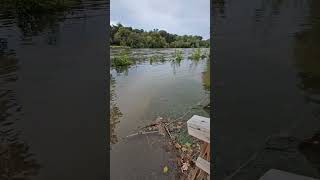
x=107 y=81
x=212 y=95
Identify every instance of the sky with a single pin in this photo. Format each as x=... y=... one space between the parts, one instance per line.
x=190 y=17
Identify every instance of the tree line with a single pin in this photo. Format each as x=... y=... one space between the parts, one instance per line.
x=139 y=38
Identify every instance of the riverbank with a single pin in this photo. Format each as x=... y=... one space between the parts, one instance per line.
x=176 y=140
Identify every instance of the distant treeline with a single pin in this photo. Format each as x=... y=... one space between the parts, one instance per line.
x=138 y=38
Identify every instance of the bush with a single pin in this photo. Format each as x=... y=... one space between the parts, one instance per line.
x=121 y=60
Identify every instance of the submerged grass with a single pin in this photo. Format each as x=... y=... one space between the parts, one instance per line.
x=155 y=58
x=196 y=54
x=177 y=55
x=122 y=59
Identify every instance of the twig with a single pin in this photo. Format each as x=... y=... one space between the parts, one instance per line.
x=150 y=125
x=142 y=133
x=168 y=131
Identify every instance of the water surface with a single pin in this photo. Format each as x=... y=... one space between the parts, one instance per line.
x=146 y=90
x=52 y=93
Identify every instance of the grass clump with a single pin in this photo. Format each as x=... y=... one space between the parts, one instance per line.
x=121 y=60
x=196 y=54
x=155 y=58
x=178 y=55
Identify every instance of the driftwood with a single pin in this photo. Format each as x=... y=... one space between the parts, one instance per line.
x=158 y=124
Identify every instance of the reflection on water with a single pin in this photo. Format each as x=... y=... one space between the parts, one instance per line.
x=33 y=24
x=206 y=77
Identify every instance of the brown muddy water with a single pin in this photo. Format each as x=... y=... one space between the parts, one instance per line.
x=52 y=93
x=267 y=77
x=142 y=92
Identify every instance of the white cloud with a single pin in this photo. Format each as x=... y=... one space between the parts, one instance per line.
x=174 y=16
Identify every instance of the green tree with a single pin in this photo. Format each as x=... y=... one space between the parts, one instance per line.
x=138 y=38
x=122 y=36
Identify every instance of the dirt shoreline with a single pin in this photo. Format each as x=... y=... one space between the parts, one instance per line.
x=177 y=140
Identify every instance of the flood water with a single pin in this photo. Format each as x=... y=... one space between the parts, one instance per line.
x=267 y=82
x=52 y=93
x=141 y=93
